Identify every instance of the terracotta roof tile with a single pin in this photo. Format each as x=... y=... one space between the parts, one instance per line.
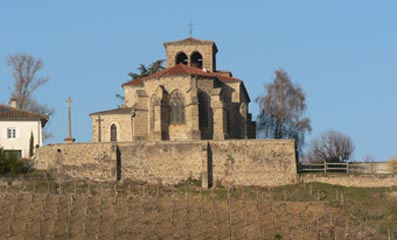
x=182 y=69
x=10 y=113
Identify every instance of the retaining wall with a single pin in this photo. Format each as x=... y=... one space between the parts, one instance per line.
x=229 y=162
x=352 y=180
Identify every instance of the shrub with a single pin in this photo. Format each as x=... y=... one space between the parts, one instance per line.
x=13 y=165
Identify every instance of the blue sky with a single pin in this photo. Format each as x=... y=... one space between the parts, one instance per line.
x=342 y=53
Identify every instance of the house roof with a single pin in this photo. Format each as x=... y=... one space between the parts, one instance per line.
x=182 y=69
x=114 y=111
x=8 y=113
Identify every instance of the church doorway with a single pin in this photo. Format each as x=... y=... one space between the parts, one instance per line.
x=113 y=133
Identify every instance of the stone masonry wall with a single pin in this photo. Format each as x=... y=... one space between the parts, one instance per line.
x=161 y=162
x=253 y=162
x=352 y=180
x=87 y=161
x=232 y=162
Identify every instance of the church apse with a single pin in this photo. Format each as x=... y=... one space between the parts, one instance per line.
x=189 y=100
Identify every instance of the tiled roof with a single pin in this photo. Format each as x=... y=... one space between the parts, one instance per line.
x=10 y=113
x=114 y=111
x=182 y=69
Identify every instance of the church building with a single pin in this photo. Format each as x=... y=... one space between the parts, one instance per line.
x=189 y=100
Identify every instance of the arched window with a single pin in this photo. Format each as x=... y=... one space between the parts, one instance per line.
x=113 y=133
x=177 y=108
x=196 y=60
x=181 y=58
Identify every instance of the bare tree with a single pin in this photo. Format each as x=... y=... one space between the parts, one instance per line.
x=282 y=109
x=25 y=70
x=331 y=146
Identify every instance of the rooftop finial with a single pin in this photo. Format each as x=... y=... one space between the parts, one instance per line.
x=190 y=25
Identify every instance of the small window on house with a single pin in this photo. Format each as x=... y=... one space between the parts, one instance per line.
x=177 y=108
x=11 y=133
x=113 y=133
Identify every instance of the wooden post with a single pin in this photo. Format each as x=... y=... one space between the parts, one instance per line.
x=187 y=215
x=258 y=208
x=215 y=215
x=229 y=214
x=201 y=214
x=273 y=214
x=245 y=216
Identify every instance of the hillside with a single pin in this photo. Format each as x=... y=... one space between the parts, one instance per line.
x=80 y=210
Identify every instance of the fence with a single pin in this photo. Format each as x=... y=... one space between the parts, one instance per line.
x=352 y=167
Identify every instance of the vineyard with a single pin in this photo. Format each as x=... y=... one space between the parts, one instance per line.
x=32 y=209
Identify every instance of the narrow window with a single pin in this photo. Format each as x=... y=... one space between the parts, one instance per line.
x=177 y=108
x=113 y=133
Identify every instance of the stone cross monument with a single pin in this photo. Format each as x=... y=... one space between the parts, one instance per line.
x=69 y=138
x=99 y=120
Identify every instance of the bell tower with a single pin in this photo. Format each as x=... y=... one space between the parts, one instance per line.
x=192 y=52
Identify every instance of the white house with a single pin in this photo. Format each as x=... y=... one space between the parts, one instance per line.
x=16 y=128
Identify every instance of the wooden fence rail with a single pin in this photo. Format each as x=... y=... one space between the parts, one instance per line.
x=353 y=167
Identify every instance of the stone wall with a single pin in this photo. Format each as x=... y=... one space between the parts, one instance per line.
x=234 y=162
x=253 y=162
x=87 y=161
x=161 y=162
x=352 y=180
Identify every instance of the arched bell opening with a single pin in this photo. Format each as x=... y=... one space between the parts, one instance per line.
x=181 y=58
x=196 y=60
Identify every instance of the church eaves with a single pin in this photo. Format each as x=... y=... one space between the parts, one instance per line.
x=182 y=69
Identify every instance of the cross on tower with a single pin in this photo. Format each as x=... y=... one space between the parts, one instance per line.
x=190 y=25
